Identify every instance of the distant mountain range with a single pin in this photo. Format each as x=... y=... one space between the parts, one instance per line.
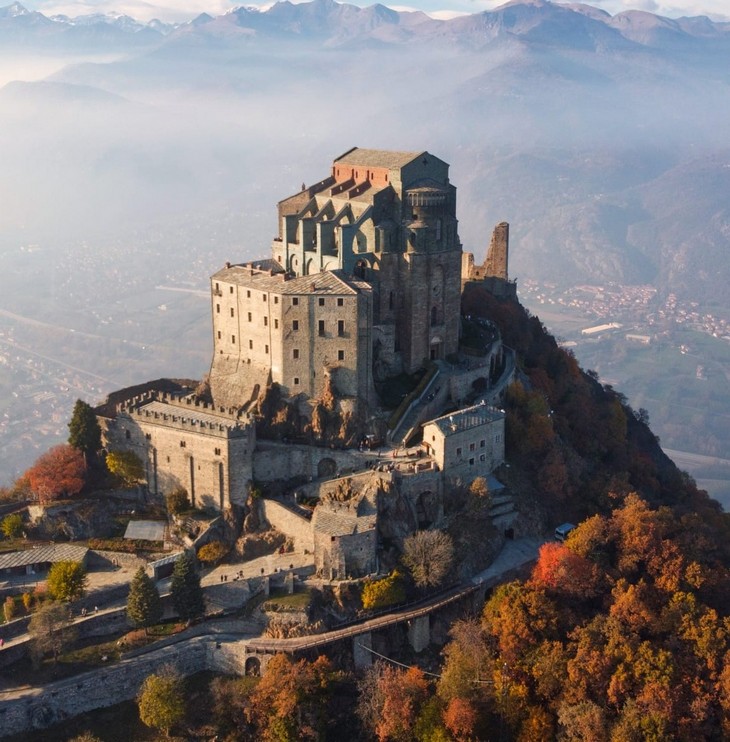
x=603 y=139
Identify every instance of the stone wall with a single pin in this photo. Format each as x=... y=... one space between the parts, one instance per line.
x=277 y=461
x=290 y=523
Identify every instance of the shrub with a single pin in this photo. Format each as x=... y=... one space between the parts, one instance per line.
x=9 y=608
x=212 y=552
x=177 y=501
x=12 y=525
x=384 y=592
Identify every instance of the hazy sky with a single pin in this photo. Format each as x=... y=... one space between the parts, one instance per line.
x=181 y=10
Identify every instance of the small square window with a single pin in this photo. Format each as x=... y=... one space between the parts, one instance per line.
x=148 y=436
x=321 y=302
x=472 y=446
x=182 y=444
x=340 y=302
x=296 y=381
x=340 y=355
x=471 y=462
x=482 y=457
x=295 y=301
x=482 y=444
x=217 y=452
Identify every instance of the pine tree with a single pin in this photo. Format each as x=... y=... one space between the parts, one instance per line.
x=84 y=432
x=187 y=595
x=144 y=607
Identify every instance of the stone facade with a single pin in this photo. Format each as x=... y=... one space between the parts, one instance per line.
x=468 y=443
x=494 y=271
x=185 y=443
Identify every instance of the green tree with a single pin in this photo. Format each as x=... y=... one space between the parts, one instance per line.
x=144 y=607
x=67 y=581
x=187 y=595
x=84 y=433
x=50 y=631
x=126 y=465
x=12 y=525
x=177 y=501
x=161 y=700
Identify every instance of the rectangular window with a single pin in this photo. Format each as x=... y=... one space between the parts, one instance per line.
x=471 y=446
x=266 y=349
x=321 y=302
x=340 y=302
x=263 y=297
x=340 y=355
x=295 y=325
x=182 y=444
x=217 y=452
x=482 y=457
x=471 y=462
x=217 y=308
x=276 y=324
x=250 y=344
x=321 y=327
x=233 y=339
x=295 y=301
x=217 y=287
x=296 y=381
x=230 y=289
x=266 y=321
x=148 y=436
x=458 y=452
x=295 y=353
x=276 y=300
x=248 y=294
x=482 y=444
x=219 y=334
x=249 y=316
x=341 y=327
x=232 y=312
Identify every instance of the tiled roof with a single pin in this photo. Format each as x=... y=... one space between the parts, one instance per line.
x=326 y=282
x=341 y=521
x=42 y=555
x=377 y=158
x=471 y=417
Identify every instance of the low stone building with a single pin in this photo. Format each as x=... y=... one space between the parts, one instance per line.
x=345 y=537
x=40 y=558
x=468 y=443
x=185 y=443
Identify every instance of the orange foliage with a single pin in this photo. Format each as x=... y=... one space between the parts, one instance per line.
x=403 y=693
x=460 y=718
x=560 y=569
x=60 y=471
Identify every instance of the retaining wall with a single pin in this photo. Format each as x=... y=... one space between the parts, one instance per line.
x=290 y=523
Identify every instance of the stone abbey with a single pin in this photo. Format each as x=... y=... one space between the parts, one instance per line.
x=363 y=286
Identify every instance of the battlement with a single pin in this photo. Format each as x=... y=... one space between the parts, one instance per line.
x=186 y=413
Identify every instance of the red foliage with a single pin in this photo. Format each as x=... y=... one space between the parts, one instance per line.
x=460 y=718
x=60 y=471
x=558 y=568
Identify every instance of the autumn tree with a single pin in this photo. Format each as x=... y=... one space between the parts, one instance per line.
x=67 y=581
x=390 y=700
x=562 y=570
x=212 y=552
x=144 y=606
x=289 y=703
x=9 y=608
x=161 y=700
x=187 y=595
x=58 y=472
x=428 y=555
x=84 y=431
x=50 y=631
x=383 y=592
x=126 y=465
x=12 y=525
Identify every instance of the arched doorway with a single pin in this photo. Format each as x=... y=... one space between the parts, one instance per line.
x=252 y=667
x=326 y=468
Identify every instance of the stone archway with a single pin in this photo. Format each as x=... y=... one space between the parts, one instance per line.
x=252 y=668
x=326 y=467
